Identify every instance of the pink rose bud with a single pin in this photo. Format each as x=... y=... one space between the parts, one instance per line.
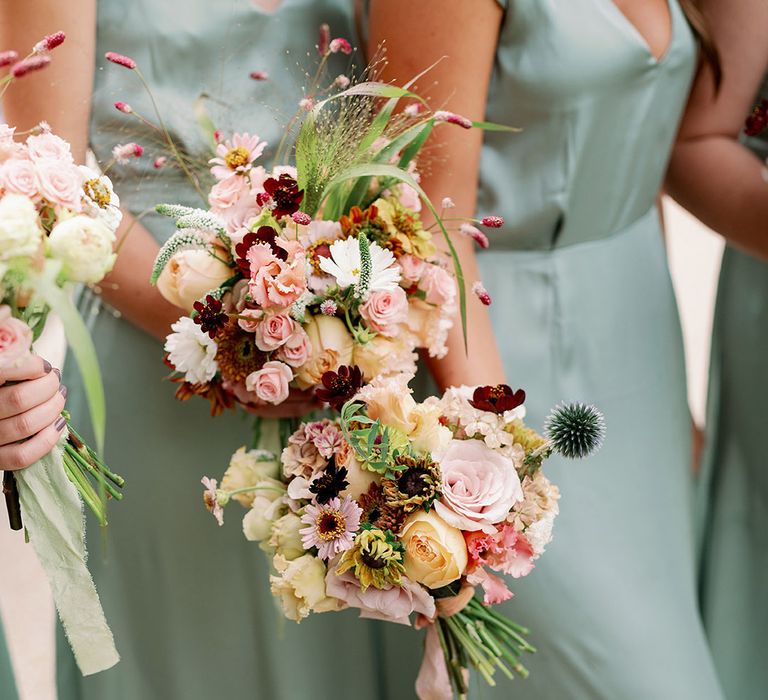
x=481 y=293
x=50 y=42
x=340 y=45
x=159 y=162
x=328 y=308
x=123 y=107
x=452 y=118
x=493 y=221
x=475 y=234
x=324 y=39
x=124 y=61
x=15 y=339
x=28 y=65
x=8 y=57
x=301 y=218
x=258 y=75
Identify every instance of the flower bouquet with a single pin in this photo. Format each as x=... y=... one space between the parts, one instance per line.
x=57 y=228
x=399 y=507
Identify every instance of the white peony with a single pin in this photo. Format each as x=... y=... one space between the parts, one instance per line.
x=191 y=351
x=344 y=264
x=20 y=234
x=84 y=246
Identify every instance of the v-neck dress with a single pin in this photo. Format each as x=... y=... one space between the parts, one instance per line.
x=7 y=683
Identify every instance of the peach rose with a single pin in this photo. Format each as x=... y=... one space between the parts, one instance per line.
x=15 y=339
x=331 y=347
x=386 y=311
x=273 y=331
x=270 y=383
x=435 y=552
x=189 y=275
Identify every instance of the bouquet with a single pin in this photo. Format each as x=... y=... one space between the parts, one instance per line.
x=403 y=509
x=57 y=228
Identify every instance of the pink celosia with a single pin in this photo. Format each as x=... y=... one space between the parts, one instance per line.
x=8 y=57
x=28 y=65
x=341 y=45
x=493 y=221
x=475 y=234
x=120 y=60
x=49 y=42
x=452 y=118
x=123 y=152
x=481 y=293
x=258 y=75
x=236 y=155
x=330 y=527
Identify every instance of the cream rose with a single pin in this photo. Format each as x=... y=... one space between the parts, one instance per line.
x=247 y=468
x=300 y=586
x=331 y=347
x=84 y=246
x=266 y=507
x=435 y=552
x=20 y=233
x=189 y=275
x=384 y=356
x=285 y=539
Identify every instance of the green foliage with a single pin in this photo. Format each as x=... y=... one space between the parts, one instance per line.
x=181 y=240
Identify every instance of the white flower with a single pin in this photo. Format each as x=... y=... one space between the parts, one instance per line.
x=20 y=233
x=344 y=264
x=191 y=351
x=540 y=533
x=84 y=245
x=267 y=506
x=99 y=198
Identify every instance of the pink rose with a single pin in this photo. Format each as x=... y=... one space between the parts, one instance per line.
x=386 y=311
x=411 y=268
x=60 y=183
x=297 y=349
x=506 y=550
x=273 y=331
x=15 y=339
x=48 y=146
x=276 y=282
x=270 y=383
x=392 y=604
x=479 y=486
x=20 y=177
x=438 y=285
x=226 y=193
x=252 y=320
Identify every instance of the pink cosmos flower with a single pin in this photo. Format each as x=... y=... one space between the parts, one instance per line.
x=270 y=384
x=276 y=282
x=15 y=339
x=210 y=499
x=19 y=176
x=47 y=146
x=273 y=331
x=386 y=311
x=330 y=527
x=236 y=155
x=297 y=349
x=60 y=183
x=120 y=60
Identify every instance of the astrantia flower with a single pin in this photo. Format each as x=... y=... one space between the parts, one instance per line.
x=340 y=386
x=376 y=559
x=210 y=316
x=236 y=155
x=123 y=152
x=497 y=399
x=345 y=265
x=285 y=194
x=330 y=483
x=210 y=498
x=330 y=527
x=328 y=308
x=191 y=351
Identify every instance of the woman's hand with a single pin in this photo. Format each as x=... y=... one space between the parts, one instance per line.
x=297 y=405
x=31 y=401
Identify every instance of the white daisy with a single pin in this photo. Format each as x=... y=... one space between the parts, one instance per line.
x=191 y=351
x=344 y=264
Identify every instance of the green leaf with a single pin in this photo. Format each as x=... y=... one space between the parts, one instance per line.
x=490 y=126
x=204 y=121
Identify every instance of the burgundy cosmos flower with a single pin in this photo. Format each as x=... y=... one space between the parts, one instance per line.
x=330 y=483
x=285 y=194
x=210 y=316
x=264 y=234
x=497 y=399
x=340 y=386
x=757 y=122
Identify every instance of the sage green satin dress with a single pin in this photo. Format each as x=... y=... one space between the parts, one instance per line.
x=189 y=602
x=7 y=683
x=584 y=310
x=734 y=475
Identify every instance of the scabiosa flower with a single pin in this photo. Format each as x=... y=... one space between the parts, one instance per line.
x=341 y=81
x=452 y=118
x=481 y=293
x=475 y=234
x=330 y=483
x=123 y=107
x=120 y=60
x=497 y=399
x=301 y=218
x=448 y=203
x=376 y=559
x=28 y=65
x=123 y=152
x=492 y=221
x=340 y=45
x=8 y=57
x=236 y=155
x=210 y=316
x=285 y=193
x=49 y=42
x=328 y=307
x=330 y=527
x=340 y=386
x=159 y=162
x=345 y=265
x=210 y=498
x=258 y=75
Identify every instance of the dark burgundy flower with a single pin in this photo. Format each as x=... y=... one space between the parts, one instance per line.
x=264 y=234
x=497 y=399
x=330 y=483
x=340 y=386
x=285 y=194
x=210 y=316
x=757 y=122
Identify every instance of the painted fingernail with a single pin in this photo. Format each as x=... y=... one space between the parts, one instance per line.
x=60 y=423
x=63 y=391
x=47 y=366
x=57 y=372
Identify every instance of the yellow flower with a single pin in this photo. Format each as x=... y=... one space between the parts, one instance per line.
x=435 y=552
x=375 y=559
x=405 y=225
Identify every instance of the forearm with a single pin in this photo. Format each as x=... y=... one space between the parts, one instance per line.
x=127 y=287
x=732 y=198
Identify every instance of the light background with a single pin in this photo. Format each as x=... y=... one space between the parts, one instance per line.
x=25 y=602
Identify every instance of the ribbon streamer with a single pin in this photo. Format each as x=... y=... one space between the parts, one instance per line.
x=53 y=515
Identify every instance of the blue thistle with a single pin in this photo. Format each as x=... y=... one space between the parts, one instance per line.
x=575 y=430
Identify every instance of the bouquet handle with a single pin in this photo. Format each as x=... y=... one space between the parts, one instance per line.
x=11 y=491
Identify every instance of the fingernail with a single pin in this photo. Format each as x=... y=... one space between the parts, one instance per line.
x=57 y=372
x=60 y=423
x=63 y=391
x=47 y=366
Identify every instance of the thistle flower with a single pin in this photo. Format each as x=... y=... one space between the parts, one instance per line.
x=376 y=559
x=575 y=430
x=302 y=219
x=452 y=118
x=28 y=65
x=329 y=308
x=340 y=45
x=123 y=107
x=8 y=57
x=49 y=42
x=481 y=293
x=120 y=60
x=492 y=221
x=475 y=234
x=258 y=75
x=330 y=527
x=123 y=152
